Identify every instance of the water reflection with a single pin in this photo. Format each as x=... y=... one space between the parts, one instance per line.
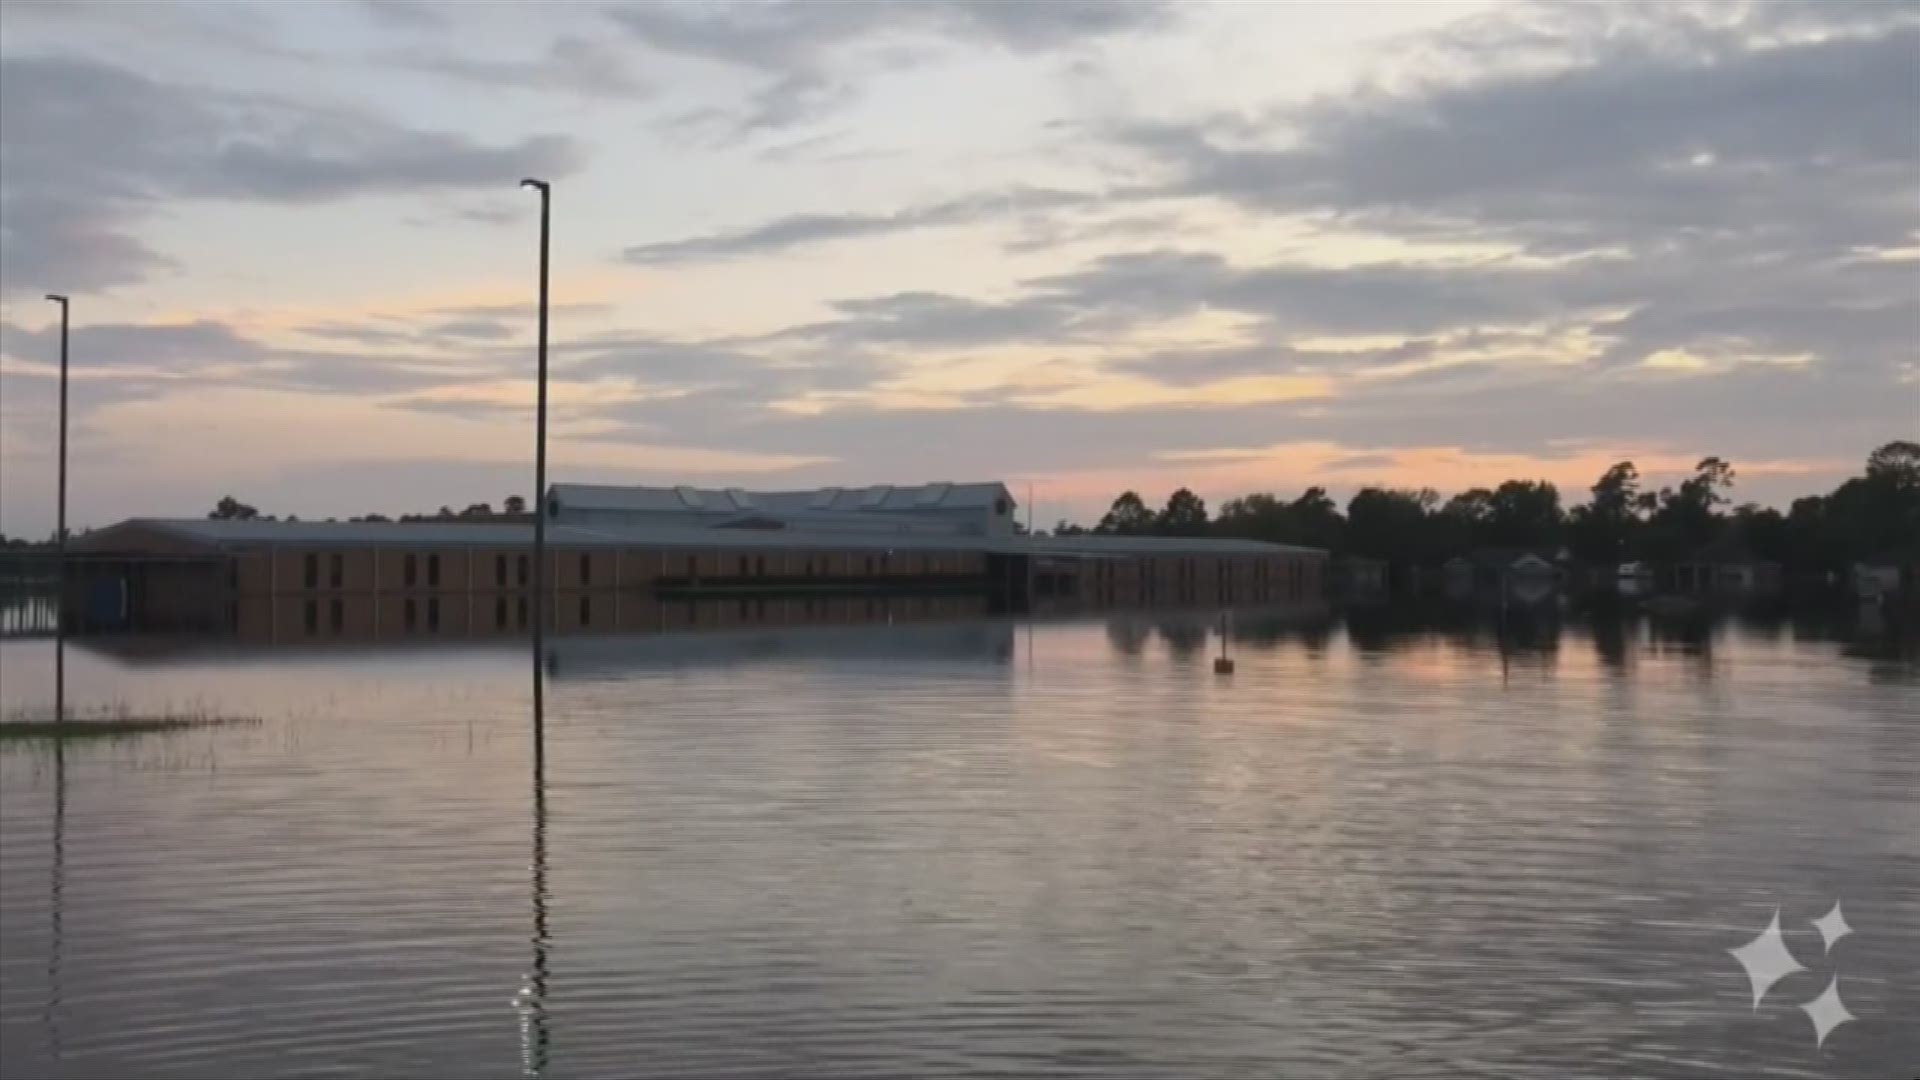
x=56 y=905
x=531 y=1002
x=887 y=850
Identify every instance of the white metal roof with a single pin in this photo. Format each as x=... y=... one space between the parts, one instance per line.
x=683 y=499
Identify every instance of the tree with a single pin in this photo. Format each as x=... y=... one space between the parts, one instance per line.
x=1314 y=521
x=1067 y=528
x=1127 y=517
x=514 y=504
x=1896 y=464
x=1254 y=517
x=1687 y=519
x=1603 y=530
x=1185 y=515
x=232 y=509
x=1392 y=525
x=477 y=510
x=1525 y=514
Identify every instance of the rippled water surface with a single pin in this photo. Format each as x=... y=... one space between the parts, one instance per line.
x=975 y=848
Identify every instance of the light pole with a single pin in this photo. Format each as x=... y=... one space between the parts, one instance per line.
x=540 y=488
x=60 y=538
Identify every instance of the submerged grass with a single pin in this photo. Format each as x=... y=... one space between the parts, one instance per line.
x=112 y=722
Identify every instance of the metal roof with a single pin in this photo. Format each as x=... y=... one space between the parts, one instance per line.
x=226 y=533
x=880 y=497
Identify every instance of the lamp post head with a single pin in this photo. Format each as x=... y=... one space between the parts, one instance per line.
x=539 y=185
x=58 y=299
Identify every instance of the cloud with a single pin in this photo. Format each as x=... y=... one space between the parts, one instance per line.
x=803 y=230
x=570 y=65
x=92 y=150
x=807 y=54
x=407 y=14
x=1790 y=145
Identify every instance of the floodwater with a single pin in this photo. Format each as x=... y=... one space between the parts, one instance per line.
x=975 y=848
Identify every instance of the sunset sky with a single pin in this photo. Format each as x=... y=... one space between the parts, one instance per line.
x=1084 y=245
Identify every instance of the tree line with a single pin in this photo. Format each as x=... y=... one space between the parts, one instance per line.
x=1870 y=516
x=232 y=509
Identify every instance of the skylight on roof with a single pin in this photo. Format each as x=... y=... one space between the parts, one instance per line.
x=690 y=497
x=875 y=496
x=932 y=494
x=823 y=499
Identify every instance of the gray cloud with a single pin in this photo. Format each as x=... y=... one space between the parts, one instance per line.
x=407 y=14
x=571 y=65
x=1788 y=145
x=808 y=49
x=92 y=149
x=477 y=329
x=801 y=230
x=149 y=356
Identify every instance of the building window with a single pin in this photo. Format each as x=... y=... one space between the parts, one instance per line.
x=743 y=609
x=500 y=612
x=520 y=612
x=520 y=571
x=412 y=614
x=693 y=567
x=760 y=566
x=869 y=566
x=313 y=570
x=586 y=611
x=313 y=616
x=336 y=569
x=337 y=615
x=760 y=609
x=433 y=613
x=433 y=571
x=411 y=572
x=743 y=566
x=809 y=567
x=586 y=571
x=500 y=573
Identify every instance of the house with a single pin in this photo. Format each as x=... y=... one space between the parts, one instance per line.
x=1882 y=576
x=1356 y=576
x=1495 y=568
x=1726 y=568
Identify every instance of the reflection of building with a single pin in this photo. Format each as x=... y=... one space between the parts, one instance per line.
x=962 y=640
x=638 y=559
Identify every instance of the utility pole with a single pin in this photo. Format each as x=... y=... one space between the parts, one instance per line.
x=60 y=539
x=540 y=491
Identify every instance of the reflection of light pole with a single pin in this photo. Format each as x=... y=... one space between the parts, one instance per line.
x=540 y=485
x=60 y=538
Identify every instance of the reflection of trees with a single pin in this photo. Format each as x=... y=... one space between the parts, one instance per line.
x=1184 y=639
x=1270 y=629
x=1611 y=639
x=1128 y=638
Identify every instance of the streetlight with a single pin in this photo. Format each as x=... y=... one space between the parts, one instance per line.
x=540 y=485
x=60 y=538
